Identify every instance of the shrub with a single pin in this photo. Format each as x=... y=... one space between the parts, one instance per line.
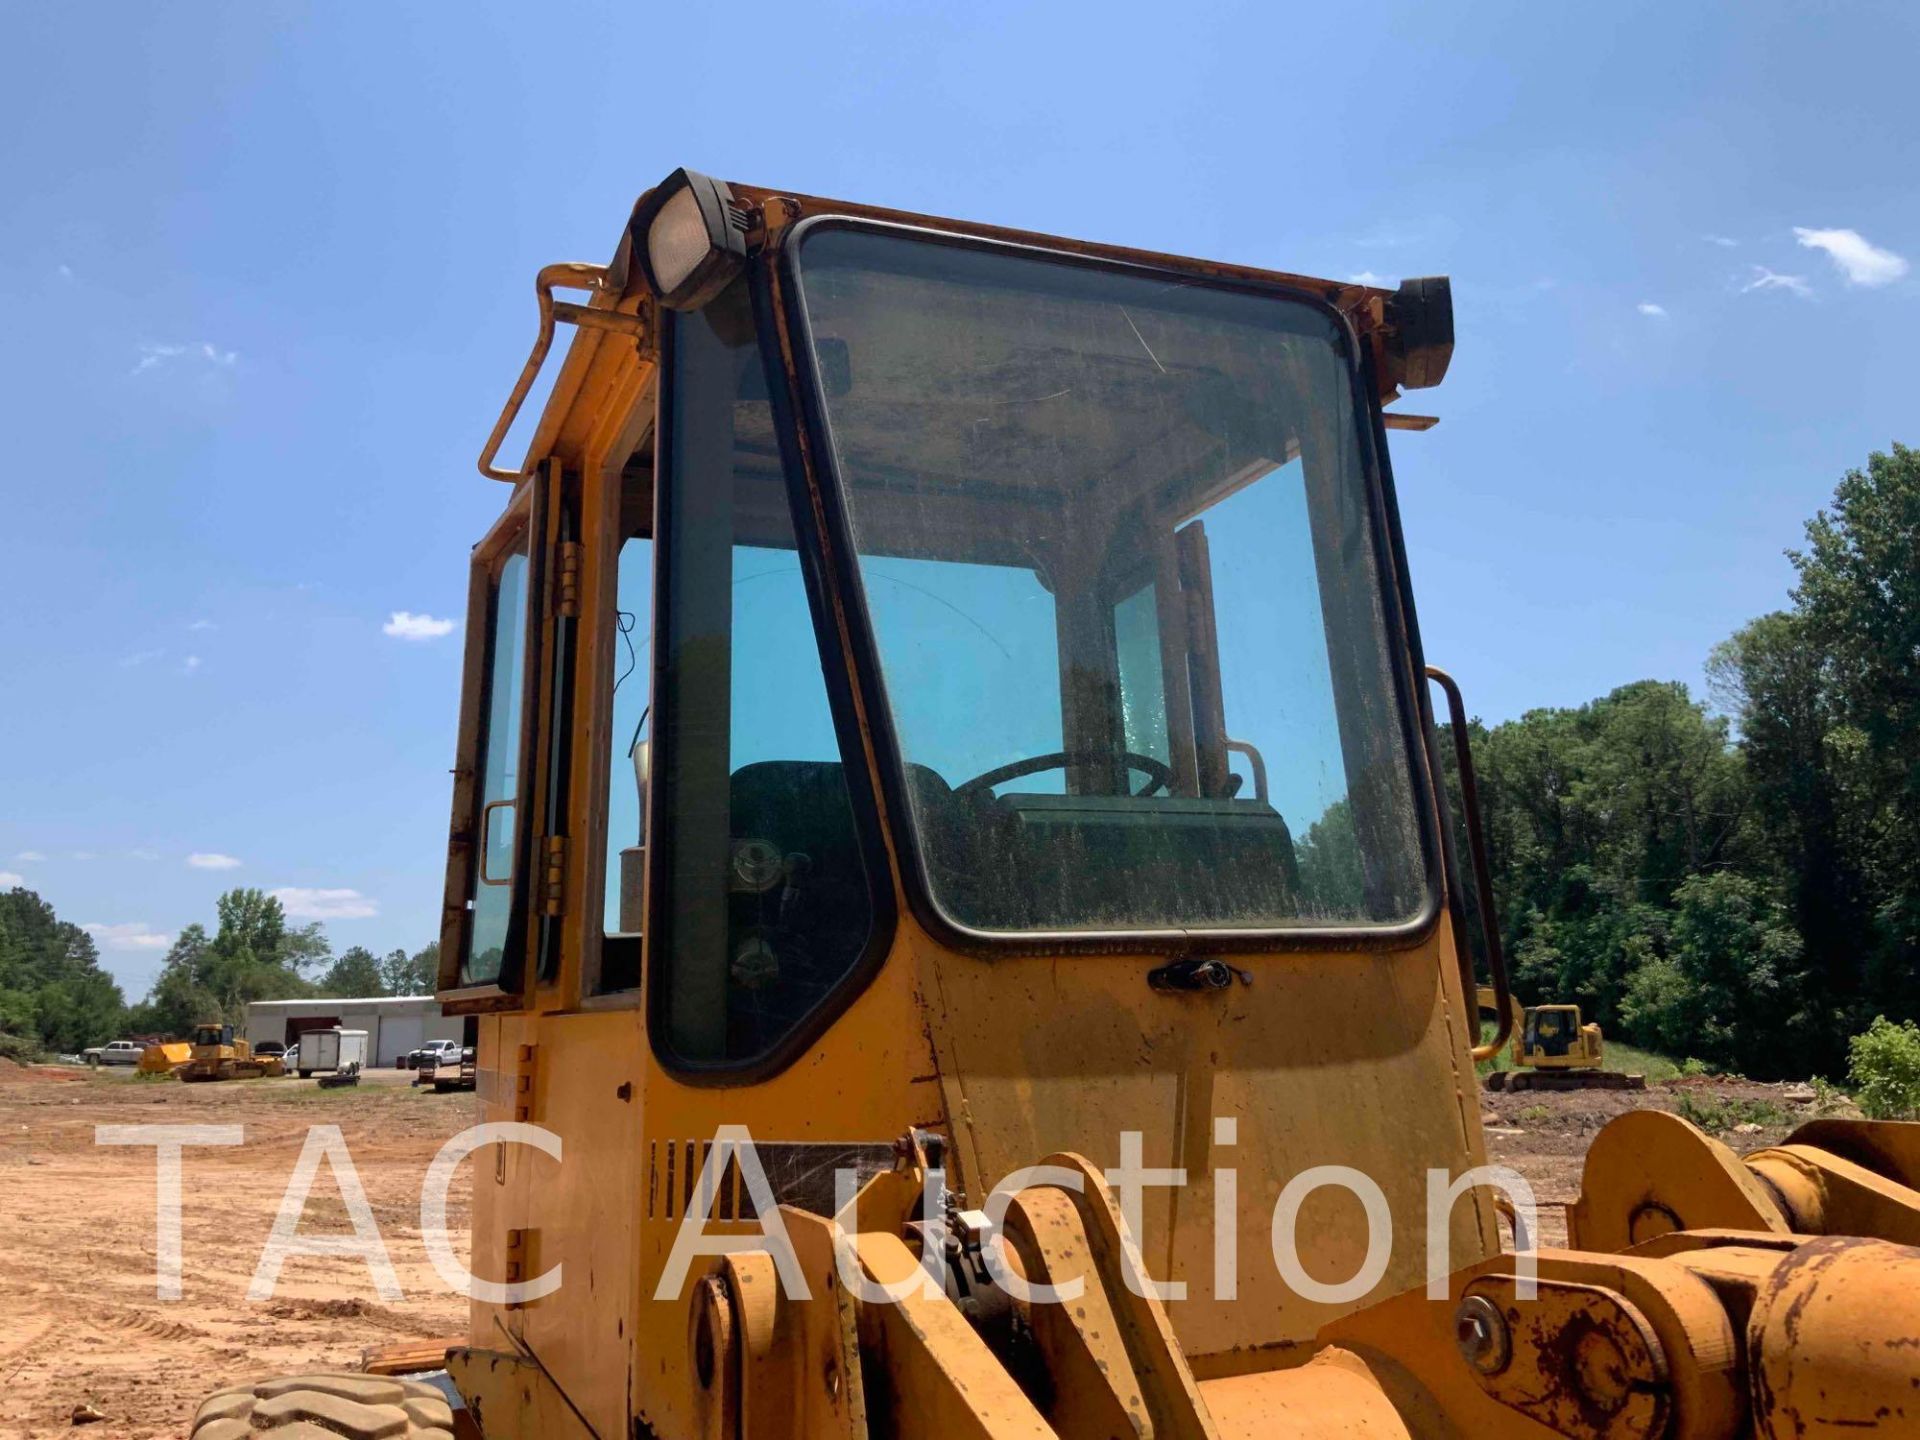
x=1693 y=1067
x=1827 y=1096
x=1884 y=1064
x=21 y=1048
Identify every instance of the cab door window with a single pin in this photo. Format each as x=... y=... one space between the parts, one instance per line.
x=763 y=907
x=629 y=744
x=483 y=939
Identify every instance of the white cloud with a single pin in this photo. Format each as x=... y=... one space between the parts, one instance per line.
x=140 y=657
x=1647 y=307
x=65 y=272
x=143 y=853
x=152 y=355
x=8 y=879
x=135 y=935
x=203 y=625
x=81 y=855
x=191 y=664
x=1367 y=277
x=212 y=860
x=29 y=855
x=1861 y=262
x=1765 y=279
x=1726 y=242
x=301 y=903
x=405 y=625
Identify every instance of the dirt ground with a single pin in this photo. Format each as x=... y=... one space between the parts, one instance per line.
x=79 y=1322
x=1545 y=1134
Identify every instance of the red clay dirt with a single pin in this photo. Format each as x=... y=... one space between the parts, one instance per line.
x=79 y=1324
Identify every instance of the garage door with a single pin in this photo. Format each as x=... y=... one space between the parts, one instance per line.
x=399 y=1034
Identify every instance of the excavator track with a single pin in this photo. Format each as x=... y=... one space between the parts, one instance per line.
x=1517 y=1080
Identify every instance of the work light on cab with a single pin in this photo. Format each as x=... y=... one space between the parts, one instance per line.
x=690 y=237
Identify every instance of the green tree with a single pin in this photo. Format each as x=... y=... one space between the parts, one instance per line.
x=251 y=956
x=53 y=992
x=307 y=950
x=1727 y=986
x=1859 y=600
x=1595 y=817
x=1827 y=699
x=415 y=974
x=1331 y=883
x=182 y=994
x=355 y=973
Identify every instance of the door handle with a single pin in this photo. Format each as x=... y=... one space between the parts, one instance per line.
x=486 y=832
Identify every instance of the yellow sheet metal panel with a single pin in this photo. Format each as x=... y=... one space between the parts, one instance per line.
x=1351 y=1059
x=159 y=1059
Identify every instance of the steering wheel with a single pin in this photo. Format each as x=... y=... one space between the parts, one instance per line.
x=1159 y=774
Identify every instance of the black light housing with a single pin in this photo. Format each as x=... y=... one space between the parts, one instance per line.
x=689 y=238
x=1422 y=314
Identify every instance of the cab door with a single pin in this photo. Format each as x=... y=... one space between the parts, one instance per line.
x=484 y=930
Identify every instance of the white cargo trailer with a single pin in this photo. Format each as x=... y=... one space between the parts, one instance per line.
x=333 y=1049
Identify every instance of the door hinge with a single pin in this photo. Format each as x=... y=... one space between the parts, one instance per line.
x=567 y=583
x=521 y=1258
x=553 y=876
x=525 y=1058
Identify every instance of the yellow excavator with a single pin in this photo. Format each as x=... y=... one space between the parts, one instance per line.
x=948 y=859
x=218 y=1055
x=1552 y=1049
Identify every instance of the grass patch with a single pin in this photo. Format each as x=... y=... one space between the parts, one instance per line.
x=311 y=1094
x=1614 y=1055
x=1717 y=1116
x=1636 y=1061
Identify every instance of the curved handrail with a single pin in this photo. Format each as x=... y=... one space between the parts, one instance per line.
x=565 y=274
x=1482 y=870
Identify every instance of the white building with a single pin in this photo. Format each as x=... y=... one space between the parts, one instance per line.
x=394 y=1026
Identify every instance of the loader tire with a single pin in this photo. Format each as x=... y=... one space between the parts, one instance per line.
x=305 y=1407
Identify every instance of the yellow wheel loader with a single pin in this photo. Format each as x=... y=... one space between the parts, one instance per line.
x=1553 y=1050
x=217 y=1055
x=947 y=859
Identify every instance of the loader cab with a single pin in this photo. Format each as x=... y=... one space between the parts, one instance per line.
x=1553 y=1030
x=213 y=1036
x=932 y=679
x=1096 y=575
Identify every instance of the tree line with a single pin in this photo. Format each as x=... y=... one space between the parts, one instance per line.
x=54 y=995
x=1738 y=884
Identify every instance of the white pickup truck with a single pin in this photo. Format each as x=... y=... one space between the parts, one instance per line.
x=119 y=1052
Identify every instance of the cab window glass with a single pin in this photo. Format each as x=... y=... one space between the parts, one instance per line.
x=1143 y=675
x=490 y=901
x=766 y=906
x=629 y=740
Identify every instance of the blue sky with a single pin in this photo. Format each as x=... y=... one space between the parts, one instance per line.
x=267 y=270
